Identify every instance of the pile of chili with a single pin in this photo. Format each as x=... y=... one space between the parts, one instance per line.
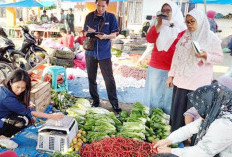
x=117 y=147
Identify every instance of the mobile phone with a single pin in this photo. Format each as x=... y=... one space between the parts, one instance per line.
x=163 y=16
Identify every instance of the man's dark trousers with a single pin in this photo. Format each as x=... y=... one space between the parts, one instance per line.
x=107 y=73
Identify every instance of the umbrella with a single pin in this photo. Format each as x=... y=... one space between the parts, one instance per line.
x=25 y=3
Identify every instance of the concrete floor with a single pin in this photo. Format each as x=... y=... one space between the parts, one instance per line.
x=222 y=68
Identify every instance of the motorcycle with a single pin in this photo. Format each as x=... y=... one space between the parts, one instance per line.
x=5 y=68
x=33 y=53
x=8 y=54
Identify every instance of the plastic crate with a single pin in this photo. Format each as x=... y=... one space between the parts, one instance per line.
x=57 y=135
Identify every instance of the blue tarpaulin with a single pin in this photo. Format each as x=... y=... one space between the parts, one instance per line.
x=47 y=3
x=80 y=88
x=94 y=0
x=25 y=3
x=212 y=1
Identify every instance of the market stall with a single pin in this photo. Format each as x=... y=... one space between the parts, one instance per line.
x=46 y=29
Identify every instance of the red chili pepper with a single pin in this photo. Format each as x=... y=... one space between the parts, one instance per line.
x=117 y=147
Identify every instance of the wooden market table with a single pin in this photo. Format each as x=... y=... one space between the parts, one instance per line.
x=15 y=32
x=46 y=32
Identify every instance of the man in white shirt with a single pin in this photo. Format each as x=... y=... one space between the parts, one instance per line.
x=33 y=16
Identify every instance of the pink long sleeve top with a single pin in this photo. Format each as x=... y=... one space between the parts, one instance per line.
x=190 y=72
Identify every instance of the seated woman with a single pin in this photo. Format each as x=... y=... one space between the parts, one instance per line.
x=15 y=112
x=38 y=38
x=192 y=114
x=81 y=38
x=213 y=129
x=67 y=39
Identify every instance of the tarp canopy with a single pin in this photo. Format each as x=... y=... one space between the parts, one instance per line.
x=212 y=1
x=94 y=0
x=47 y=3
x=25 y=3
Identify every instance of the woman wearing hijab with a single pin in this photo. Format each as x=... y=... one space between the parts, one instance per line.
x=213 y=25
x=145 y=29
x=213 y=129
x=165 y=34
x=191 y=70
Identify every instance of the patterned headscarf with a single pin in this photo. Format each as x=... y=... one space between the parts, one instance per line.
x=212 y=102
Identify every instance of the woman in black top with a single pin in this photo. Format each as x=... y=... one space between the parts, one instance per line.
x=145 y=29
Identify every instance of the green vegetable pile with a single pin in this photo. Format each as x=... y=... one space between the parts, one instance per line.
x=159 y=124
x=100 y=123
x=62 y=100
x=97 y=122
x=116 y=52
x=134 y=125
x=100 y=126
x=139 y=125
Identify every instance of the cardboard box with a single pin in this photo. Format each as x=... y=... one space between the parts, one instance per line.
x=41 y=95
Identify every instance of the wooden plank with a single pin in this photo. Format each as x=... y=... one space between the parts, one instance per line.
x=42 y=98
x=42 y=107
x=45 y=89
x=40 y=91
x=45 y=102
x=33 y=83
x=39 y=87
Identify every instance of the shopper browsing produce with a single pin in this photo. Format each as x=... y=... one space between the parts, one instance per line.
x=213 y=129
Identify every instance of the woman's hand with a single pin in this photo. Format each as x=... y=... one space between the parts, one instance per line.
x=162 y=143
x=159 y=23
x=164 y=150
x=203 y=54
x=169 y=82
x=159 y=20
x=56 y=116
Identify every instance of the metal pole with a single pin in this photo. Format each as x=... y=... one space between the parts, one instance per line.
x=205 y=6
